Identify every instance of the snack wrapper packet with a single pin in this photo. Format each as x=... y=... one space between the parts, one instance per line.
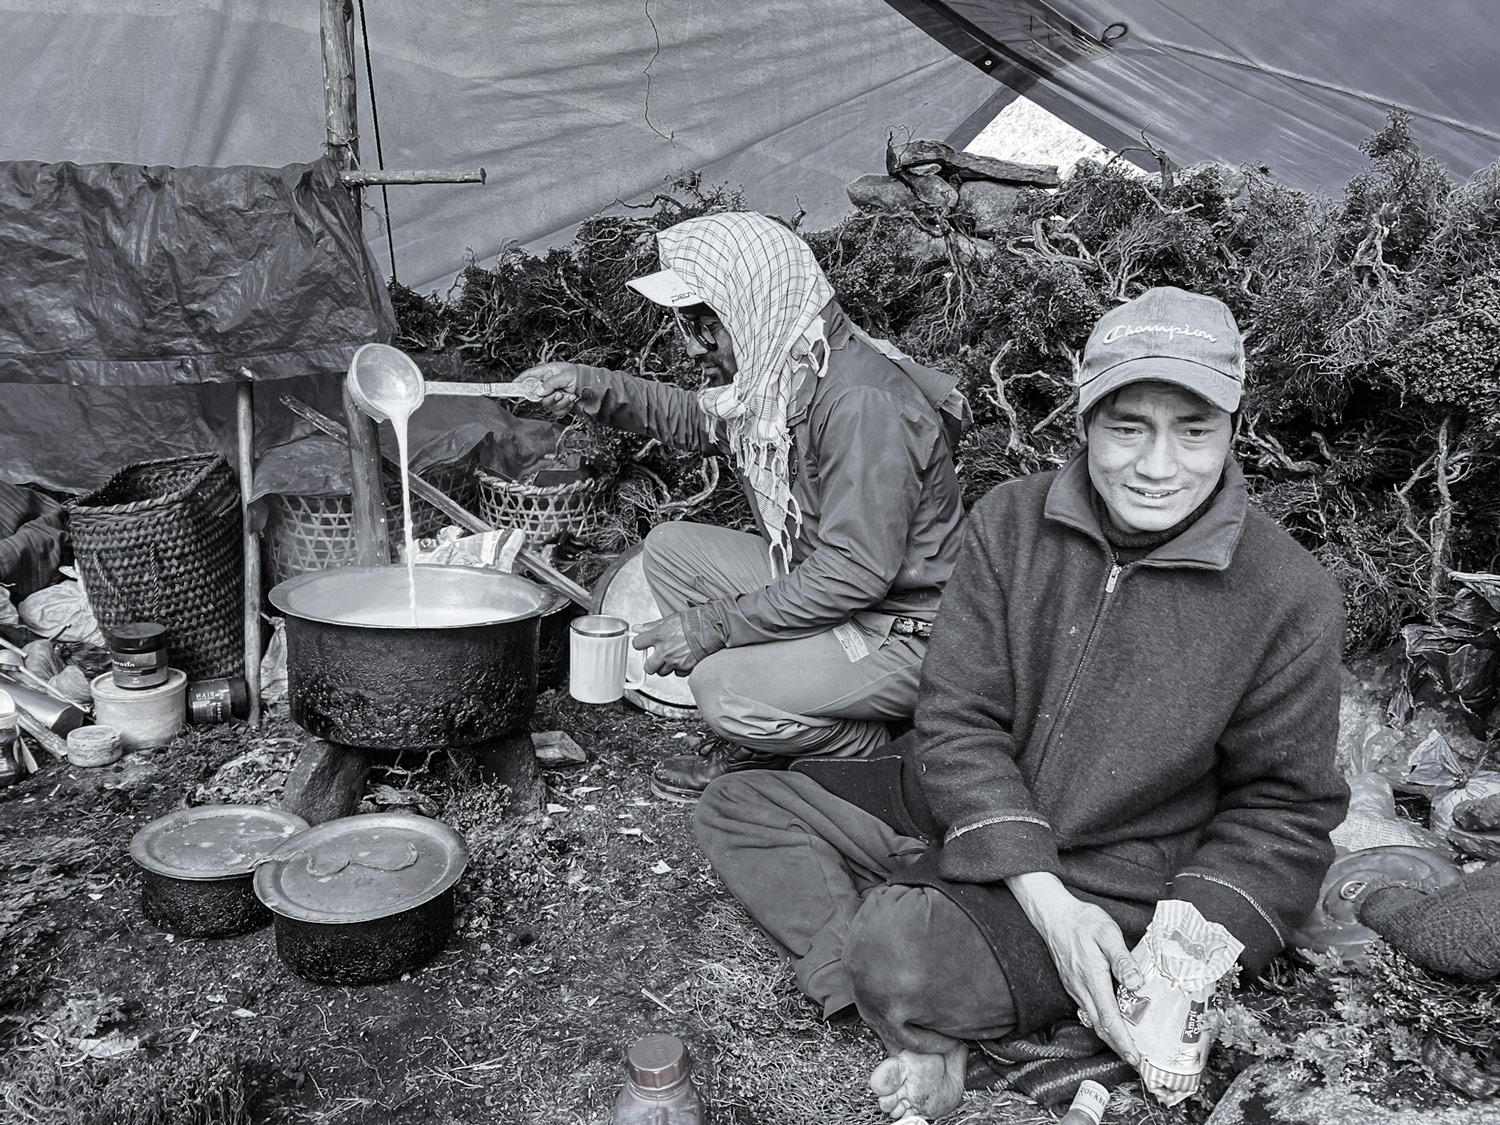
x=1181 y=958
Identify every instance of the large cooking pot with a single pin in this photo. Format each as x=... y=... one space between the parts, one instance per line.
x=358 y=673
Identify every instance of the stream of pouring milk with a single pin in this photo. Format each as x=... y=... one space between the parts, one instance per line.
x=398 y=408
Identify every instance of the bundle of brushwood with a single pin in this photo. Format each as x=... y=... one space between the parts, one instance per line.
x=1372 y=322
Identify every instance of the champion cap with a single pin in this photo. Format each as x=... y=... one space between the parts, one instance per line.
x=1167 y=335
x=666 y=287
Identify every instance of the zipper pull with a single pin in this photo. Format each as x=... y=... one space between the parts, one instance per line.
x=1114 y=576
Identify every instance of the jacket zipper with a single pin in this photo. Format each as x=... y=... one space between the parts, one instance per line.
x=1115 y=570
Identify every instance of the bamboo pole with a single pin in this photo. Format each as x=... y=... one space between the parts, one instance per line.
x=245 y=419
x=372 y=177
x=336 y=21
x=464 y=518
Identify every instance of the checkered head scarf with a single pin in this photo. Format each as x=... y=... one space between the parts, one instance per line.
x=768 y=290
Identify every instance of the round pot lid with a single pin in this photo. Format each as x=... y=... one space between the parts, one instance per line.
x=212 y=841
x=360 y=868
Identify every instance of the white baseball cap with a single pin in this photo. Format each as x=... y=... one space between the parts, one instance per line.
x=666 y=287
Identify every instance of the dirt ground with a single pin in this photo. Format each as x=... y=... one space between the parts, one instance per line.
x=580 y=928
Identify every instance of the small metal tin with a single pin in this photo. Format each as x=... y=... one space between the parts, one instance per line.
x=94 y=745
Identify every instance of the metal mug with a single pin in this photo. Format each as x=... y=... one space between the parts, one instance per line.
x=600 y=658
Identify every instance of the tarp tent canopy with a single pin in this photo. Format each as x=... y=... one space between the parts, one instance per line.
x=572 y=105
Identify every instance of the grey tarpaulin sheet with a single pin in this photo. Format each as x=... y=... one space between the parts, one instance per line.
x=1286 y=84
x=568 y=104
x=123 y=275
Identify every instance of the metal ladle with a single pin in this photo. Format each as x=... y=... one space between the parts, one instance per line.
x=379 y=372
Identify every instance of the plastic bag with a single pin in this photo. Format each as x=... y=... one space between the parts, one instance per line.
x=8 y=613
x=1181 y=956
x=1457 y=658
x=62 y=612
x=1436 y=768
x=273 y=665
x=1372 y=820
x=489 y=550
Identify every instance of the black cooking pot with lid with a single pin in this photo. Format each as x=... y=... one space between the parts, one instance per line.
x=197 y=866
x=363 y=898
x=359 y=673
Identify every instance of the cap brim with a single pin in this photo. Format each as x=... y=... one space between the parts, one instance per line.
x=1216 y=388
x=666 y=287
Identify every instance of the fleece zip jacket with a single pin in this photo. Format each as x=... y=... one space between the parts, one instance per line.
x=1161 y=728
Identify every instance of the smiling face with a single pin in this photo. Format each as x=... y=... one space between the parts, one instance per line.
x=1155 y=453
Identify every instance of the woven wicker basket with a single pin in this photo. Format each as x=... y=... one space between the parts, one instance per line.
x=160 y=542
x=544 y=512
x=306 y=533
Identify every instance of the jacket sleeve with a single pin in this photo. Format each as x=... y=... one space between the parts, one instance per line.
x=872 y=453
x=1262 y=859
x=991 y=825
x=669 y=414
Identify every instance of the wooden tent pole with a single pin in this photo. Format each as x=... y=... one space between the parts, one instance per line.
x=371 y=546
x=245 y=417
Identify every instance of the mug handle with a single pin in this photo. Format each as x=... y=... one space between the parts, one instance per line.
x=634 y=684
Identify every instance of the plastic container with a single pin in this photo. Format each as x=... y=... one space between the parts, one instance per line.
x=1089 y=1104
x=138 y=655
x=144 y=717
x=218 y=701
x=11 y=770
x=94 y=746
x=658 y=1085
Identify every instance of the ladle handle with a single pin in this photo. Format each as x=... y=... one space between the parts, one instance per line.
x=530 y=389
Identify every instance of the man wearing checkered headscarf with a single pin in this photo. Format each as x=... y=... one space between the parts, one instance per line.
x=806 y=638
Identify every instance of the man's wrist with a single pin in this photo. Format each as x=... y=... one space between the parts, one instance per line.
x=1039 y=893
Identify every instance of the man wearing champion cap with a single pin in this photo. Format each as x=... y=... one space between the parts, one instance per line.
x=807 y=638
x=1131 y=694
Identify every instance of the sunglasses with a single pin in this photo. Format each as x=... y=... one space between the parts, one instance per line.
x=698 y=331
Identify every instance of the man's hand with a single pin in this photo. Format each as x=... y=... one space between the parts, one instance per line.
x=1089 y=952
x=561 y=382
x=671 y=655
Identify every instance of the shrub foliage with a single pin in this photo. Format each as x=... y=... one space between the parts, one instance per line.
x=1372 y=328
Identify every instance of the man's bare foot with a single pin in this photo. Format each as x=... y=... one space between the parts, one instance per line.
x=911 y=1082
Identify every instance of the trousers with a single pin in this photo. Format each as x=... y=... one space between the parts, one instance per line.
x=792 y=697
x=810 y=868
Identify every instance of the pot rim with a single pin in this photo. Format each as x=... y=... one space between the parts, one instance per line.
x=280 y=595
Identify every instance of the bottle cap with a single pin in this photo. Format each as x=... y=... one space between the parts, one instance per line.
x=658 y=1062
x=1089 y=1104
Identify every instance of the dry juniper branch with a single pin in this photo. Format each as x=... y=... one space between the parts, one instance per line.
x=1372 y=324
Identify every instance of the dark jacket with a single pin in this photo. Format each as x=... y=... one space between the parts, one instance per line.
x=872 y=474
x=1162 y=729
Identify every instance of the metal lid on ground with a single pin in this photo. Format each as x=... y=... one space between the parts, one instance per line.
x=212 y=841
x=360 y=868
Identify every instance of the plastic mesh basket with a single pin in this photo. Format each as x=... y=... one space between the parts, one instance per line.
x=544 y=512
x=161 y=542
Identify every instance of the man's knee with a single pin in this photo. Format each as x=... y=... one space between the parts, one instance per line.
x=731 y=804
x=665 y=547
